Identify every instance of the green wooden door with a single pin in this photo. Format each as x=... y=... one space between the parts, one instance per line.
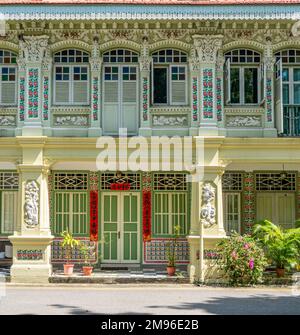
x=130 y=228
x=120 y=224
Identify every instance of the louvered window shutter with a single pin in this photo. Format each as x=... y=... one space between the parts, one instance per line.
x=62 y=92
x=80 y=85
x=8 y=93
x=178 y=85
x=111 y=92
x=227 y=82
x=9 y=211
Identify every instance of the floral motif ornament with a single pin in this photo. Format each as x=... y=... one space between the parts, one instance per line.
x=195 y=98
x=31 y=206
x=46 y=98
x=269 y=99
x=219 y=98
x=208 y=211
x=95 y=98
x=22 y=99
x=145 y=99
x=208 y=93
x=33 y=96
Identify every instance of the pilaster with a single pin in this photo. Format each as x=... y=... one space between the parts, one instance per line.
x=31 y=240
x=207 y=47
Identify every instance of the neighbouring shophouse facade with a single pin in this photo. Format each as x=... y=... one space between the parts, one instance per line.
x=72 y=72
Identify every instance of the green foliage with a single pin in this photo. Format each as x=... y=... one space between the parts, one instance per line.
x=242 y=259
x=68 y=243
x=171 y=246
x=281 y=246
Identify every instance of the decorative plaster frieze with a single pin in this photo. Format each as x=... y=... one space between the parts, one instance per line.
x=70 y=120
x=244 y=110
x=208 y=210
x=31 y=205
x=7 y=121
x=243 y=121
x=95 y=59
x=70 y=110
x=170 y=110
x=167 y=120
x=207 y=47
x=33 y=47
x=8 y=110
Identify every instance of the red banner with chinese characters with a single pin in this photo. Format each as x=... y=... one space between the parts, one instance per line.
x=94 y=216
x=146 y=215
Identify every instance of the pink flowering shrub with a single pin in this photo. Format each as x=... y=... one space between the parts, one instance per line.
x=242 y=260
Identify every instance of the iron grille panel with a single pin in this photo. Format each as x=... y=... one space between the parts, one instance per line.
x=108 y=179
x=170 y=182
x=275 y=181
x=232 y=181
x=9 y=181
x=70 y=181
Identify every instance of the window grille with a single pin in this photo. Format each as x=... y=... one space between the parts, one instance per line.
x=232 y=181
x=120 y=56
x=169 y=56
x=288 y=56
x=108 y=179
x=242 y=56
x=9 y=181
x=70 y=181
x=170 y=182
x=71 y=56
x=275 y=181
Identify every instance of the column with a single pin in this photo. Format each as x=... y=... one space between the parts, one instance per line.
x=145 y=62
x=207 y=49
x=32 y=54
x=268 y=91
x=32 y=239
x=95 y=118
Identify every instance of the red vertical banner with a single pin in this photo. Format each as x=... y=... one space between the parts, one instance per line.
x=94 y=215
x=146 y=215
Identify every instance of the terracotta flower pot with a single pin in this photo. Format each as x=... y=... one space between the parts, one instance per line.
x=280 y=272
x=87 y=270
x=171 y=270
x=68 y=269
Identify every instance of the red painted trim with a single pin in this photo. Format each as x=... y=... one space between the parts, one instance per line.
x=146 y=215
x=94 y=215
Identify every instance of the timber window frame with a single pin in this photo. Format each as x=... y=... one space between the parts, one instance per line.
x=8 y=78
x=243 y=68
x=71 y=76
x=232 y=212
x=169 y=66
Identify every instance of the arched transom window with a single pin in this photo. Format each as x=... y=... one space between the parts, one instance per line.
x=120 y=56
x=169 y=77
x=8 y=79
x=71 y=77
x=243 y=77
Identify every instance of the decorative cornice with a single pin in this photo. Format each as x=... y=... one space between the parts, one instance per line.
x=170 y=110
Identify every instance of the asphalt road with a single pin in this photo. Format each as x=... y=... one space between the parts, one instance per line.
x=148 y=299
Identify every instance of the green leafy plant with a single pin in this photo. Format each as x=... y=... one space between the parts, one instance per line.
x=86 y=252
x=69 y=243
x=281 y=246
x=242 y=259
x=171 y=247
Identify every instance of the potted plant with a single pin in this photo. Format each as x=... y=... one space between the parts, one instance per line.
x=68 y=243
x=281 y=246
x=171 y=251
x=87 y=269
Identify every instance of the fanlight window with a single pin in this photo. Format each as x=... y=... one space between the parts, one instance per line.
x=120 y=56
x=288 y=56
x=244 y=77
x=169 y=77
x=71 y=77
x=8 y=78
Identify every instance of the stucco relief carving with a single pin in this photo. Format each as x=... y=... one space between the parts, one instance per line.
x=208 y=210
x=7 y=120
x=207 y=47
x=145 y=59
x=164 y=120
x=33 y=47
x=71 y=120
x=95 y=59
x=31 y=206
x=243 y=121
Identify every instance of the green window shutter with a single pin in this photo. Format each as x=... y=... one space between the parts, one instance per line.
x=80 y=92
x=9 y=212
x=179 y=212
x=178 y=85
x=62 y=212
x=79 y=213
x=129 y=91
x=161 y=216
x=111 y=92
x=8 y=93
x=62 y=92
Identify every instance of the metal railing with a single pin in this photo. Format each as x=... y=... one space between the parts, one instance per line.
x=291 y=120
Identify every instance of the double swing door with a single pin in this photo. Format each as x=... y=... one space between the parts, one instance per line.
x=120 y=99
x=120 y=227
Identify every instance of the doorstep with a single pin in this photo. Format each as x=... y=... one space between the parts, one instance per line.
x=119 y=277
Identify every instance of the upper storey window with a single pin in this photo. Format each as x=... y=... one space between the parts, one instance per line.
x=243 y=77
x=8 y=78
x=71 y=77
x=169 y=77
